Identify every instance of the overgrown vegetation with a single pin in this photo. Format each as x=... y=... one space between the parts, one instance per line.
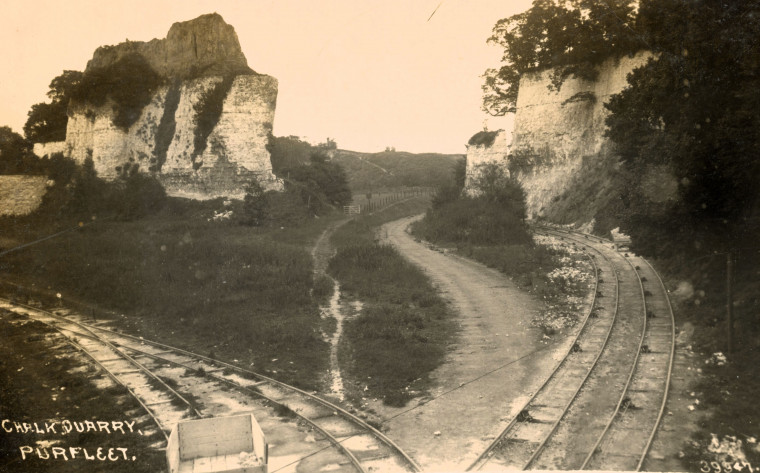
x=401 y=334
x=16 y=156
x=38 y=387
x=180 y=277
x=321 y=183
x=78 y=194
x=494 y=215
x=692 y=114
x=130 y=82
x=727 y=390
x=176 y=270
x=483 y=138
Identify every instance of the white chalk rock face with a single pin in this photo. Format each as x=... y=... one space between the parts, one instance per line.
x=562 y=127
x=194 y=59
x=180 y=152
x=235 y=152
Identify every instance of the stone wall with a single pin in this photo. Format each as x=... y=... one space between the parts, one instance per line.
x=21 y=195
x=478 y=154
x=560 y=128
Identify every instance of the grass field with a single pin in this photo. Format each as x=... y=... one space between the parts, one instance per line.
x=402 y=333
x=231 y=291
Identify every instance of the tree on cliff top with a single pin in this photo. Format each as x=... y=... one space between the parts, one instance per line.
x=691 y=117
x=571 y=36
x=47 y=121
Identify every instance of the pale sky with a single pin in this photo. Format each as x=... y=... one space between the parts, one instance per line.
x=368 y=74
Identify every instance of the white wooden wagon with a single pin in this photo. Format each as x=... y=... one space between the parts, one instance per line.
x=233 y=444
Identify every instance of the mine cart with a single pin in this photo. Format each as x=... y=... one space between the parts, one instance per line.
x=233 y=444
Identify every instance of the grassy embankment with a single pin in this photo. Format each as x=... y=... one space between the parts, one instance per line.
x=214 y=287
x=402 y=332
x=39 y=388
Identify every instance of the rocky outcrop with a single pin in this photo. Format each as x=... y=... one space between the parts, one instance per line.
x=21 y=195
x=554 y=131
x=204 y=47
x=195 y=58
x=485 y=147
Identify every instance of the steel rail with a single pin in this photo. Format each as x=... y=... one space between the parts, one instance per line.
x=356 y=420
x=591 y=369
x=603 y=434
x=482 y=459
x=253 y=392
x=666 y=391
x=115 y=378
x=93 y=336
x=114 y=349
x=670 y=369
x=314 y=397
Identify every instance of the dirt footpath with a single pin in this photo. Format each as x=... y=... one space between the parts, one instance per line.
x=496 y=361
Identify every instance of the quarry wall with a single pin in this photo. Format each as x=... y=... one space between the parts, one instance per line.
x=235 y=152
x=195 y=57
x=554 y=130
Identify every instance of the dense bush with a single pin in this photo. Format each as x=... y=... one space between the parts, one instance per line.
x=495 y=215
x=130 y=82
x=16 y=155
x=255 y=205
x=288 y=152
x=321 y=183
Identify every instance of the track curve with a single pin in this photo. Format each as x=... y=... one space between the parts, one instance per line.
x=365 y=447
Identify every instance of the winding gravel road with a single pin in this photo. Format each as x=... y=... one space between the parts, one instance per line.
x=496 y=360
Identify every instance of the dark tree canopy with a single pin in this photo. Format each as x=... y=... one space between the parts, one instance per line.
x=322 y=183
x=129 y=82
x=15 y=152
x=690 y=121
x=47 y=121
x=572 y=36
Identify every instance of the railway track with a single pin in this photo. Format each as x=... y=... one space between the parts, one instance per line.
x=342 y=439
x=622 y=367
x=163 y=404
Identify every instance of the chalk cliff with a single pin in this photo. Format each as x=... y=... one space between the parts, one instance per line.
x=196 y=57
x=554 y=131
x=558 y=138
